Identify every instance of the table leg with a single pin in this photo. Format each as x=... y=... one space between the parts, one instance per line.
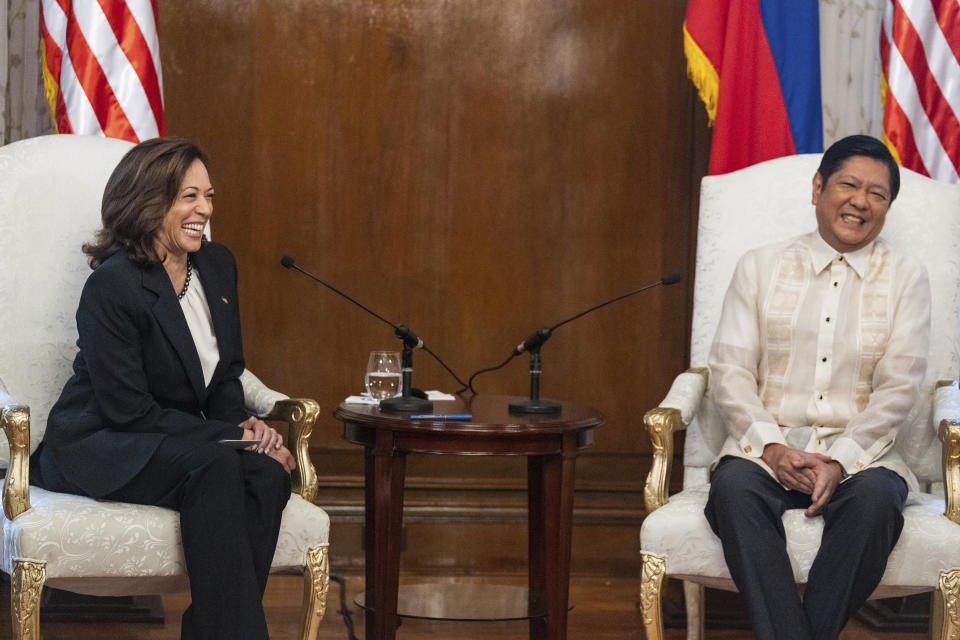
x=384 y=518
x=550 y=505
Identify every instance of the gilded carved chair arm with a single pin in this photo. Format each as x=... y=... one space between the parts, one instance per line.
x=300 y=416
x=673 y=414
x=946 y=412
x=15 y=420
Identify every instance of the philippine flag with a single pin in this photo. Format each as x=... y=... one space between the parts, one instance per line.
x=756 y=64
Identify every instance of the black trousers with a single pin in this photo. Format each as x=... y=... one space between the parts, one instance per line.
x=230 y=505
x=862 y=523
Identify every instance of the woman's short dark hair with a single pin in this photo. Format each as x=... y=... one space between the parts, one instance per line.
x=138 y=195
x=859 y=145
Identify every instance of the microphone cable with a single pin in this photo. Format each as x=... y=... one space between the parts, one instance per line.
x=487 y=370
x=463 y=385
x=344 y=610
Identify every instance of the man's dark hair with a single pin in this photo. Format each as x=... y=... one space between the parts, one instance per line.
x=859 y=145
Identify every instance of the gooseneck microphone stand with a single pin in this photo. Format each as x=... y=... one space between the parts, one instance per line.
x=535 y=404
x=405 y=401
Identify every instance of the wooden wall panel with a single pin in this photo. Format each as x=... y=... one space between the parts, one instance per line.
x=473 y=169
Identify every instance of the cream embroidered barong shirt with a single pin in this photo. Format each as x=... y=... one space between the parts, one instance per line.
x=821 y=351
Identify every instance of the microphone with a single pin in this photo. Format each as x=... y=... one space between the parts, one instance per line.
x=405 y=401
x=671 y=277
x=536 y=340
x=409 y=338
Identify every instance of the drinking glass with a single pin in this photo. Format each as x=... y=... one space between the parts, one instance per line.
x=383 y=374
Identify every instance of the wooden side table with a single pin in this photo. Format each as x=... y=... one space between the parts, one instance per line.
x=551 y=445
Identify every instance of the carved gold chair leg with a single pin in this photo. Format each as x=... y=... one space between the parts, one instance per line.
x=949 y=594
x=651 y=584
x=695 y=605
x=316 y=582
x=26 y=583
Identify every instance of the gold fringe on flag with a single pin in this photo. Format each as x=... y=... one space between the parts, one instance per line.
x=51 y=88
x=883 y=135
x=702 y=73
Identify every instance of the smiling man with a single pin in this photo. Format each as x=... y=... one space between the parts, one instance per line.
x=817 y=361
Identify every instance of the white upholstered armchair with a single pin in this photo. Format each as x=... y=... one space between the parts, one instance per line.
x=50 y=191
x=760 y=204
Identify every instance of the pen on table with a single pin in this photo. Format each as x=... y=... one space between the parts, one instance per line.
x=442 y=416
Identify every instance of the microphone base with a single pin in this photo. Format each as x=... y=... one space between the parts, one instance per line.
x=535 y=406
x=406 y=403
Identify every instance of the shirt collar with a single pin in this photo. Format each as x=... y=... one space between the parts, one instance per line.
x=822 y=254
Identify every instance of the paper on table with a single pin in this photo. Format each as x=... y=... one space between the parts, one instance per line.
x=366 y=399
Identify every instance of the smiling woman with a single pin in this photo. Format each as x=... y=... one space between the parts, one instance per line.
x=182 y=229
x=146 y=186
x=156 y=388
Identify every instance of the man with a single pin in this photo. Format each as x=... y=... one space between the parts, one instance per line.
x=817 y=361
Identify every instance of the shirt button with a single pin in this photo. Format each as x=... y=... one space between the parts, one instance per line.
x=835 y=283
x=821 y=396
x=828 y=319
x=824 y=359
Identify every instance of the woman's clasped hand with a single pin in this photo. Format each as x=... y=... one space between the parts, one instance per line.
x=269 y=441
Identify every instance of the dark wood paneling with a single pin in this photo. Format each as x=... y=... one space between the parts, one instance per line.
x=472 y=169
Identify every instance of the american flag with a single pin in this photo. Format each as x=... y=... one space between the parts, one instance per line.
x=920 y=55
x=101 y=67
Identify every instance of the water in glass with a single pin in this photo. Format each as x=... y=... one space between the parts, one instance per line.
x=383 y=374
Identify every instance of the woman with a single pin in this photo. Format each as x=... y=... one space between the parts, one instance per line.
x=156 y=387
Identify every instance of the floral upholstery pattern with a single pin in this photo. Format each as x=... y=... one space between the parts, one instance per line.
x=679 y=532
x=258 y=398
x=79 y=537
x=49 y=205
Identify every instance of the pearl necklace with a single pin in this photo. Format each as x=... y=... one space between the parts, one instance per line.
x=186 y=283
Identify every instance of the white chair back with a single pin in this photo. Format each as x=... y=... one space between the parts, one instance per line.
x=50 y=192
x=771 y=201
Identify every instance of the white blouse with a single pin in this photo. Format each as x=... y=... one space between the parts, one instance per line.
x=197 y=313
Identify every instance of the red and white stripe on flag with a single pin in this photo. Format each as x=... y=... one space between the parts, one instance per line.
x=101 y=67
x=920 y=56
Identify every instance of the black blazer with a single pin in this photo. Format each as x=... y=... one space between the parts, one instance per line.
x=137 y=378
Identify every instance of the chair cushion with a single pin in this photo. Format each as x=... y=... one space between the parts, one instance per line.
x=81 y=537
x=679 y=531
